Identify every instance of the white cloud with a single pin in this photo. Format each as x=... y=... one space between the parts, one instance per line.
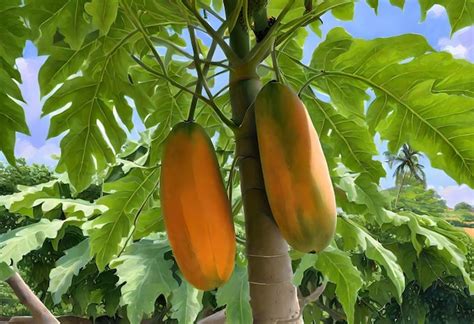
x=458 y=51
x=436 y=11
x=456 y=194
x=461 y=45
x=40 y=155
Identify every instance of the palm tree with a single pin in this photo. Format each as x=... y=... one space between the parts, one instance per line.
x=407 y=166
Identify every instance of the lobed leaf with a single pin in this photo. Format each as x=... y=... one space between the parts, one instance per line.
x=68 y=266
x=21 y=241
x=186 y=303
x=236 y=296
x=129 y=197
x=355 y=236
x=145 y=274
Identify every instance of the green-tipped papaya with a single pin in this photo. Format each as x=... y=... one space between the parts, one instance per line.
x=196 y=210
x=295 y=171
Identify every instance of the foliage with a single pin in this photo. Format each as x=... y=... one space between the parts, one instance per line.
x=464 y=206
x=102 y=217
x=416 y=198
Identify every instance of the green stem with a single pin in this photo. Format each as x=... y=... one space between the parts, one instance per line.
x=258 y=53
x=260 y=19
x=194 y=83
x=310 y=80
x=210 y=103
x=214 y=35
x=211 y=11
x=275 y=65
x=224 y=88
x=138 y=24
x=201 y=73
x=232 y=19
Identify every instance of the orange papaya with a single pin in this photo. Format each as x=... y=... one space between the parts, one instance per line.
x=295 y=171
x=195 y=207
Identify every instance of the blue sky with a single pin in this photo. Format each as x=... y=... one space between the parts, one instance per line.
x=390 y=21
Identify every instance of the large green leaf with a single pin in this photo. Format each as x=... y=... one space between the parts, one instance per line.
x=22 y=202
x=91 y=107
x=235 y=294
x=416 y=101
x=13 y=36
x=359 y=189
x=355 y=237
x=145 y=274
x=186 y=303
x=49 y=16
x=68 y=266
x=21 y=241
x=85 y=149
x=71 y=207
x=460 y=12
x=349 y=139
x=128 y=198
x=103 y=13
x=337 y=267
x=423 y=236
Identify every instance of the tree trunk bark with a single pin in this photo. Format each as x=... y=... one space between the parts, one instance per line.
x=273 y=297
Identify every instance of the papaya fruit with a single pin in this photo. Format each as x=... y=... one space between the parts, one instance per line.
x=195 y=207
x=295 y=171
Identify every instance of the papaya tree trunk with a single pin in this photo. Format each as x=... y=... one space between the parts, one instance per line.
x=273 y=297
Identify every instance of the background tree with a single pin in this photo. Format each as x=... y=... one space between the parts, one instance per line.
x=416 y=198
x=406 y=167
x=464 y=206
x=161 y=59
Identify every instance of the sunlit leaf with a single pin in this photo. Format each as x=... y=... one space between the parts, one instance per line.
x=145 y=274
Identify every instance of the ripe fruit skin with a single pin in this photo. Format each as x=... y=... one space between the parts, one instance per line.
x=295 y=171
x=196 y=209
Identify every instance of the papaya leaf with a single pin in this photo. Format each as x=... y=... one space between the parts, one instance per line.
x=359 y=189
x=22 y=202
x=403 y=73
x=235 y=295
x=337 y=267
x=460 y=13
x=12 y=118
x=348 y=97
x=68 y=17
x=21 y=241
x=61 y=63
x=422 y=236
x=5 y=271
x=91 y=107
x=149 y=221
x=355 y=236
x=103 y=13
x=145 y=274
x=71 y=207
x=352 y=141
x=186 y=303
x=128 y=198
x=68 y=266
